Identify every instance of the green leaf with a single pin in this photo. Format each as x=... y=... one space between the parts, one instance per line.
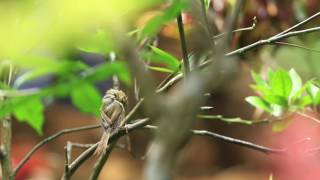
x=280 y=83
x=296 y=82
x=100 y=43
x=304 y=101
x=160 y=69
x=270 y=74
x=207 y=4
x=87 y=98
x=275 y=99
x=159 y=56
x=153 y=26
x=264 y=90
x=259 y=103
x=313 y=92
x=32 y=113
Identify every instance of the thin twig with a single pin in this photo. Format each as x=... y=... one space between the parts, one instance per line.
x=309 y=117
x=300 y=24
x=271 y=40
x=238 y=30
x=233 y=120
x=297 y=46
x=231 y=140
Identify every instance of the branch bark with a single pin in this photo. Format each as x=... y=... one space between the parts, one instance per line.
x=5 y=147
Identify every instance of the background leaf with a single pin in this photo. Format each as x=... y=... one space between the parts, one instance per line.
x=87 y=98
x=61 y=68
x=32 y=113
x=154 y=25
x=99 y=43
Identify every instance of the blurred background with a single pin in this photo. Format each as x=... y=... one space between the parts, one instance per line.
x=203 y=158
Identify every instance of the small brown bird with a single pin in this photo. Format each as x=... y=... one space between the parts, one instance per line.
x=112 y=115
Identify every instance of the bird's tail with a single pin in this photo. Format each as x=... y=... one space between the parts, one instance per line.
x=103 y=144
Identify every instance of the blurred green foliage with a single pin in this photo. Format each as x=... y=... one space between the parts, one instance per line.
x=36 y=39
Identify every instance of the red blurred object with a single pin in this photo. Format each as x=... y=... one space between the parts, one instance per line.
x=300 y=162
x=36 y=162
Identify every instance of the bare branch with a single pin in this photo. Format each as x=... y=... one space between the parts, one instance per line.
x=48 y=139
x=239 y=30
x=271 y=40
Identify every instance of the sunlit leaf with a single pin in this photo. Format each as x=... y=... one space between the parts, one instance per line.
x=277 y=110
x=280 y=83
x=296 y=82
x=159 y=56
x=207 y=4
x=259 y=103
x=275 y=99
x=262 y=89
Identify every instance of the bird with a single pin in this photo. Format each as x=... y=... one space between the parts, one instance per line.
x=112 y=115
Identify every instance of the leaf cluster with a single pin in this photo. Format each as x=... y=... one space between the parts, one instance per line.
x=283 y=91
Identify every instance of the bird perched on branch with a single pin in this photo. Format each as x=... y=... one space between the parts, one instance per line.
x=112 y=115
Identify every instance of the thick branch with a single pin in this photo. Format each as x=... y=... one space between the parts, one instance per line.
x=5 y=147
x=101 y=161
